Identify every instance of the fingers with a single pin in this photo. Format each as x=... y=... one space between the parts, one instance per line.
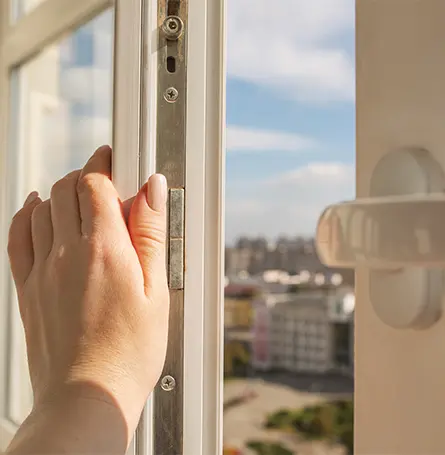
x=20 y=247
x=42 y=231
x=126 y=207
x=39 y=224
x=100 y=162
x=99 y=203
x=147 y=226
x=65 y=209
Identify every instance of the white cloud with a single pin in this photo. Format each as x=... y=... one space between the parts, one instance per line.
x=330 y=172
x=287 y=46
x=257 y=140
x=289 y=203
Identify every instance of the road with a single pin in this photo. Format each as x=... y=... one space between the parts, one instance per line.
x=322 y=383
x=245 y=422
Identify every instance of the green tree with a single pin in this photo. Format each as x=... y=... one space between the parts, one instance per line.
x=264 y=448
x=280 y=420
x=236 y=357
x=331 y=421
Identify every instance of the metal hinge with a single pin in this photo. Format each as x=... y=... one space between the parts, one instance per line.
x=176 y=239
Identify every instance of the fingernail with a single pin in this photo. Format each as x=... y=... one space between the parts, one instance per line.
x=31 y=198
x=157 y=192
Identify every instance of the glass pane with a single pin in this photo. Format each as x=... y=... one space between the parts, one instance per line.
x=290 y=153
x=63 y=111
x=22 y=7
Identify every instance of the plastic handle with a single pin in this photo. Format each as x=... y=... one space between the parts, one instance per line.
x=384 y=233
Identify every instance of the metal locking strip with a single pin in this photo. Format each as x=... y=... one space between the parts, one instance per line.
x=170 y=161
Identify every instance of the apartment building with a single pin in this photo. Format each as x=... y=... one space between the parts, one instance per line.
x=305 y=332
x=238 y=313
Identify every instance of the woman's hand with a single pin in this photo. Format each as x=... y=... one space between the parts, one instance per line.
x=92 y=290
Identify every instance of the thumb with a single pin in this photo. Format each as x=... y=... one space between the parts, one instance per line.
x=147 y=225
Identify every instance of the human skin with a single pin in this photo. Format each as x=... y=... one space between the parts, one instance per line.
x=93 y=296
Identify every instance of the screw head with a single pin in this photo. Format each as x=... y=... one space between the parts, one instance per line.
x=168 y=383
x=171 y=95
x=172 y=27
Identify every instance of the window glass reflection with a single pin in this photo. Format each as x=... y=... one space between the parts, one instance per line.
x=62 y=111
x=22 y=7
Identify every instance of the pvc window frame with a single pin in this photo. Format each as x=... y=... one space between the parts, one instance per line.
x=204 y=203
x=19 y=41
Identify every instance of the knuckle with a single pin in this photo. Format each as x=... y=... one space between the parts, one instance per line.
x=41 y=211
x=95 y=248
x=65 y=184
x=73 y=175
x=92 y=184
x=151 y=233
x=60 y=260
x=87 y=184
x=59 y=187
x=158 y=235
x=41 y=215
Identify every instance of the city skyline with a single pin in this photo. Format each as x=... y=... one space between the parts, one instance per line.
x=271 y=240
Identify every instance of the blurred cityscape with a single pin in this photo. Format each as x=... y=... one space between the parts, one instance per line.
x=288 y=357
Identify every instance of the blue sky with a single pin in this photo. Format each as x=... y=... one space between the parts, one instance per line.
x=290 y=109
x=290 y=114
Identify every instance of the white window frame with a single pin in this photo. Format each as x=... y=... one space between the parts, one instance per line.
x=399 y=404
x=19 y=41
x=203 y=337
x=205 y=138
x=37 y=104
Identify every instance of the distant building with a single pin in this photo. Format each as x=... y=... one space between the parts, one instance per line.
x=238 y=311
x=237 y=260
x=305 y=332
x=292 y=255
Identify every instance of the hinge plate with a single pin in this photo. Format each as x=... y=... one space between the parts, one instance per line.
x=171 y=161
x=176 y=239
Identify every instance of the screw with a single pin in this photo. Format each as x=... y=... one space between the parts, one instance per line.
x=171 y=95
x=168 y=383
x=172 y=27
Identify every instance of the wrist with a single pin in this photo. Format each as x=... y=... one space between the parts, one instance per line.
x=114 y=392
x=80 y=422
x=81 y=418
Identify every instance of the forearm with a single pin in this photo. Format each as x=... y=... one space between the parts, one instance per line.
x=75 y=425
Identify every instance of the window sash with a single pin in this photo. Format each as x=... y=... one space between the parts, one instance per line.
x=44 y=25
x=204 y=301
x=7 y=428
x=19 y=42
x=400 y=103
x=129 y=156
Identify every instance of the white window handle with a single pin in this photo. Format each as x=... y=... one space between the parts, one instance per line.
x=398 y=233
x=384 y=233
